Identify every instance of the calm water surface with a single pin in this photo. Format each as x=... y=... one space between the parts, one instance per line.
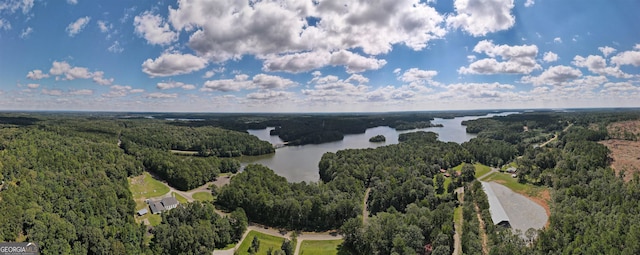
x=300 y=163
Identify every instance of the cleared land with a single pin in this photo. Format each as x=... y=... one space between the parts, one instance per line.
x=180 y=198
x=202 y=196
x=315 y=247
x=143 y=187
x=266 y=242
x=625 y=148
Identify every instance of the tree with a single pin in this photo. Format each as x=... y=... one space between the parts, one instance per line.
x=468 y=172
x=287 y=247
x=440 y=183
x=255 y=245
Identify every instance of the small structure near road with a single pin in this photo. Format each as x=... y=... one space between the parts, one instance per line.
x=164 y=204
x=498 y=214
x=143 y=211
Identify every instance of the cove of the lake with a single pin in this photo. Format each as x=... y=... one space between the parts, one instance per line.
x=300 y=163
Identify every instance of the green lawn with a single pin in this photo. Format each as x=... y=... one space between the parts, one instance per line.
x=203 y=196
x=313 y=247
x=266 y=242
x=180 y=198
x=146 y=187
x=480 y=169
x=513 y=184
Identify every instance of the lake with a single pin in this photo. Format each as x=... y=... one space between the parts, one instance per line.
x=300 y=163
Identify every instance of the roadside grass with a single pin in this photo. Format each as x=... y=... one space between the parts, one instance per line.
x=202 y=196
x=457 y=216
x=513 y=184
x=266 y=242
x=480 y=169
x=180 y=198
x=320 y=247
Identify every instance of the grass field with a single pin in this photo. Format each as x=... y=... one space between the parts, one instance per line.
x=480 y=169
x=313 y=247
x=143 y=187
x=203 y=196
x=266 y=242
x=180 y=198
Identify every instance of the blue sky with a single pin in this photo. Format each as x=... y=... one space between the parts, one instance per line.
x=318 y=56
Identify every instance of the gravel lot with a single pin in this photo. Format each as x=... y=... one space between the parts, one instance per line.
x=523 y=213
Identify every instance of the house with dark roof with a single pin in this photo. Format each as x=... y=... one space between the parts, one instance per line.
x=164 y=204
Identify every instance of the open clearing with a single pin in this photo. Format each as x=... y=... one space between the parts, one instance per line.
x=202 y=196
x=315 y=247
x=624 y=150
x=266 y=242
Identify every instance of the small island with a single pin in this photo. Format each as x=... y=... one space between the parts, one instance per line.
x=377 y=139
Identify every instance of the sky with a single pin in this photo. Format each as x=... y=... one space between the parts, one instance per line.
x=318 y=55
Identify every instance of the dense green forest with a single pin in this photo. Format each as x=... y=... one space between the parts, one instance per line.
x=64 y=184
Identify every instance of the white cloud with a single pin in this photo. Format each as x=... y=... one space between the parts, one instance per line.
x=115 y=47
x=555 y=75
x=104 y=26
x=357 y=78
x=4 y=24
x=520 y=59
x=36 y=75
x=52 y=92
x=154 y=29
x=557 y=40
x=627 y=57
x=26 y=32
x=302 y=62
x=242 y=82
x=70 y=73
x=213 y=72
x=529 y=3
x=121 y=91
x=72 y=1
x=606 y=50
x=480 y=17
x=271 y=30
x=162 y=95
x=269 y=95
x=33 y=85
x=477 y=91
x=81 y=92
x=98 y=77
x=417 y=76
x=174 y=84
x=550 y=57
x=77 y=26
x=597 y=64
x=169 y=64
x=11 y=6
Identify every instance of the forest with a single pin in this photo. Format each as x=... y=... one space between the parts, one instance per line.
x=64 y=184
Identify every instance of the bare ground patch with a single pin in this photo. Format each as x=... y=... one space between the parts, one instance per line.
x=625 y=155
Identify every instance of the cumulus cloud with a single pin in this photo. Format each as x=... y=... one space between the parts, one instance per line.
x=26 y=32
x=269 y=95
x=174 y=84
x=33 y=85
x=69 y=72
x=98 y=77
x=529 y=3
x=52 y=92
x=242 y=82
x=606 y=50
x=76 y=27
x=550 y=57
x=4 y=24
x=466 y=91
x=519 y=59
x=598 y=65
x=154 y=29
x=81 y=92
x=104 y=26
x=12 y=6
x=36 y=75
x=121 y=91
x=480 y=17
x=157 y=95
x=169 y=64
x=627 y=57
x=415 y=76
x=280 y=31
x=555 y=75
x=557 y=40
x=302 y=62
x=72 y=1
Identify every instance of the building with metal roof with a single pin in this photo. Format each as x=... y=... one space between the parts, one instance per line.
x=498 y=214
